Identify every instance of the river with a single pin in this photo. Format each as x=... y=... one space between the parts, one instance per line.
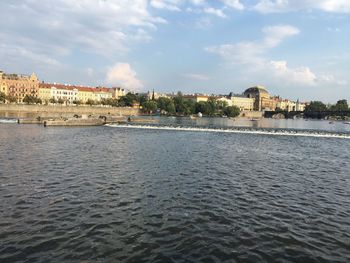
x=187 y=191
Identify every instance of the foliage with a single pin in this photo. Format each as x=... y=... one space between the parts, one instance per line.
x=128 y=100
x=149 y=106
x=60 y=101
x=29 y=99
x=2 y=97
x=341 y=105
x=52 y=100
x=315 y=106
x=11 y=98
x=166 y=105
x=231 y=111
x=110 y=102
x=90 y=102
x=76 y=102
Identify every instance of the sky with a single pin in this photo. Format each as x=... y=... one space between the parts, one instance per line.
x=297 y=49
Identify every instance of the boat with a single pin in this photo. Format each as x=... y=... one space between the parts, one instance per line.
x=346 y=122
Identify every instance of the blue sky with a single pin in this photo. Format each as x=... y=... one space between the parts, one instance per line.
x=297 y=49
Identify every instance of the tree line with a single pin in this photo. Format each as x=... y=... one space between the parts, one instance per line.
x=319 y=110
x=178 y=105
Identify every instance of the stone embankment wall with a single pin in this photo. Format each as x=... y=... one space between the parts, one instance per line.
x=22 y=111
x=251 y=114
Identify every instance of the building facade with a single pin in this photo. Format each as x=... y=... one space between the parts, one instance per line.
x=67 y=93
x=19 y=86
x=117 y=92
x=196 y=97
x=243 y=103
x=102 y=93
x=262 y=99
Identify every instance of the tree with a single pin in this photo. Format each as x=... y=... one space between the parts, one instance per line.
x=76 y=102
x=30 y=99
x=60 y=101
x=232 y=111
x=316 y=106
x=166 y=104
x=316 y=109
x=11 y=98
x=128 y=100
x=2 y=97
x=149 y=106
x=90 y=102
x=202 y=107
x=341 y=105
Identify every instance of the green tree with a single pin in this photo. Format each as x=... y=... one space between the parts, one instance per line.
x=316 y=109
x=2 y=97
x=53 y=100
x=90 y=102
x=341 y=105
x=29 y=99
x=202 y=107
x=76 y=102
x=149 y=106
x=166 y=104
x=231 y=111
x=11 y=98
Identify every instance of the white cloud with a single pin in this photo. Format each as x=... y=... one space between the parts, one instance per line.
x=235 y=4
x=274 y=35
x=214 y=11
x=277 y=6
x=170 y=5
x=299 y=75
x=251 y=52
x=250 y=58
x=55 y=29
x=199 y=77
x=121 y=74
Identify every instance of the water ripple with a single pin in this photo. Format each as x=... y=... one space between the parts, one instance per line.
x=131 y=195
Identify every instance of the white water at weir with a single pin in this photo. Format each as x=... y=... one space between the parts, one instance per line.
x=320 y=134
x=8 y=121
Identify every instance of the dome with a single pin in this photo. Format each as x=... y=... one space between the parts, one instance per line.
x=256 y=90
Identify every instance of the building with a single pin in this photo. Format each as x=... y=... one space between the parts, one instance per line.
x=67 y=93
x=19 y=86
x=226 y=100
x=3 y=86
x=288 y=105
x=196 y=97
x=262 y=99
x=102 y=93
x=117 y=92
x=242 y=102
x=150 y=95
x=85 y=94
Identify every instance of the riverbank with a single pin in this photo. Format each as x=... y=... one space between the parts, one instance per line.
x=33 y=111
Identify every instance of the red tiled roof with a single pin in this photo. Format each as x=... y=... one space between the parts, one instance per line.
x=72 y=87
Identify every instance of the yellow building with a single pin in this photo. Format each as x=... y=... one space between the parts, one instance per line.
x=196 y=97
x=243 y=103
x=44 y=92
x=19 y=86
x=262 y=99
x=85 y=94
x=102 y=93
x=117 y=92
x=3 y=85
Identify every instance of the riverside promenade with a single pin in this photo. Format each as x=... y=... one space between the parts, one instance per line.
x=23 y=110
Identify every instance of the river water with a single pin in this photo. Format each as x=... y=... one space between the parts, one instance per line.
x=175 y=194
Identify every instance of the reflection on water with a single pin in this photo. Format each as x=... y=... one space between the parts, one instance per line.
x=129 y=195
